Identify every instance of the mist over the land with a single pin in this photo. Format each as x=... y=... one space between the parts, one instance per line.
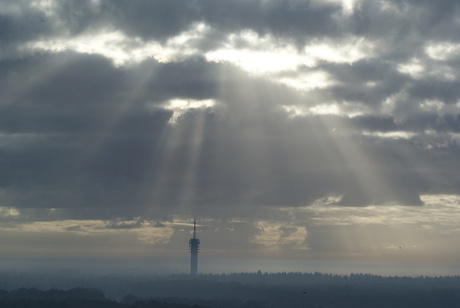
x=236 y=290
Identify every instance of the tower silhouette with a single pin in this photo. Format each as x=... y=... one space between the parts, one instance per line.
x=194 y=245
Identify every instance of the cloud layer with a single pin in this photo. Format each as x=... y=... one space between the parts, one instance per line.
x=154 y=110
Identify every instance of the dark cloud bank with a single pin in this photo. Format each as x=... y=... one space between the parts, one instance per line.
x=95 y=140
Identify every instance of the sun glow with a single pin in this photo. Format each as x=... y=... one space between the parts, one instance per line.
x=302 y=111
x=347 y=51
x=307 y=81
x=260 y=54
x=264 y=54
x=278 y=60
x=180 y=106
x=348 y=6
x=325 y=109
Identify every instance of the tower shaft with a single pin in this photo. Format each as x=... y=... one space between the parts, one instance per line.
x=194 y=246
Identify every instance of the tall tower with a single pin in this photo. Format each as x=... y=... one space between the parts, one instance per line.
x=194 y=245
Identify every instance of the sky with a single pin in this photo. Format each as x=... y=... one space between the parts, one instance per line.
x=302 y=134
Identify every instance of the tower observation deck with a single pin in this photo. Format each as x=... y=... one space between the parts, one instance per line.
x=194 y=246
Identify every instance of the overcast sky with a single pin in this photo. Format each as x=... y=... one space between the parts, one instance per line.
x=293 y=130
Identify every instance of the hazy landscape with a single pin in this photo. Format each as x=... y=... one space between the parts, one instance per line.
x=226 y=290
x=292 y=153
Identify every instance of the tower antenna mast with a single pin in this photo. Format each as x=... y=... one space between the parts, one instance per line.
x=194 y=228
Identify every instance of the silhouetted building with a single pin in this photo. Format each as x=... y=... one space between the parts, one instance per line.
x=194 y=245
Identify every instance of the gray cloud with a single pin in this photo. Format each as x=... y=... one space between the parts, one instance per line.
x=95 y=139
x=367 y=82
x=85 y=153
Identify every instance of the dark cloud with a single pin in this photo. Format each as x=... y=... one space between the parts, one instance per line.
x=375 y=123
x=368 y=82
x=19 y=22
x=249 y=154
x=80 y=134
x=435 y=89
x=57 y=93
x=75 y=148
x=407 y=22
x=163 y=19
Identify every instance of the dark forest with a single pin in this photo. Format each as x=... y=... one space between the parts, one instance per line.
x=236 y=290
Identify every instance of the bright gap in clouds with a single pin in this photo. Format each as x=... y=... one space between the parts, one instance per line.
x=260 y=54
x=180 y=106
x=391 y=135
x=332 y=108
x=302 y=111
x=418 y=68
x=442 y=51
x=7 y=212
x=256 y=54
x=348 y=6
x=307 y=81
x=265 y=54
x=275 y=236
x=125 y=50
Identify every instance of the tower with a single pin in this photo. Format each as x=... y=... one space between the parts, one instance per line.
x=194 y=245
